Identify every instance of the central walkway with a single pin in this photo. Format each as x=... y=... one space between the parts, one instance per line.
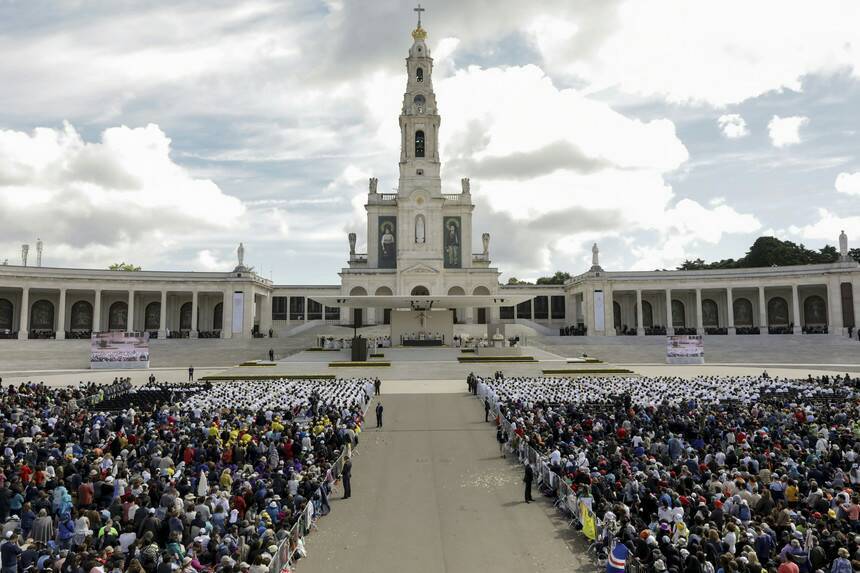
x=431 y=493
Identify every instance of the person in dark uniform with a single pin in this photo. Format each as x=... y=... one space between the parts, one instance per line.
x=486 y=409
x=379 y=415
x=377 y=385
x=271 y=355
x=527 y=479
x=347 y=478
x=191 y=374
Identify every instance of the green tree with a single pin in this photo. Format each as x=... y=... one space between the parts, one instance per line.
x=123 y=266
x=559 y=278
x=516 y=281
x=769 y=252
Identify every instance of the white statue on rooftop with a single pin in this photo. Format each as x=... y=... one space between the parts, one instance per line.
x=843 y=247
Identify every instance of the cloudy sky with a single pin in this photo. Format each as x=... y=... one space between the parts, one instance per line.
x=163 y=133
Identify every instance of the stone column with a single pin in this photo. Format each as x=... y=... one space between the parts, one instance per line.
x=194 y=297
x=640 y=320
x=61 y=316
x=250 y=307
x=227 y=315
x=855 y=290
x=834 y=294
x=608 y=311
x=305 y=311
x=346 y=316
x=129 y=325
x=795 y=310
x=470 y=315
x=730 y=311
x=266 y=315
x=762 y=311
x=24 y=315
x=700 y=327
x=494 y=314
x=588 y=314
x=670 y=329
x=162 y=319
x=97 y=311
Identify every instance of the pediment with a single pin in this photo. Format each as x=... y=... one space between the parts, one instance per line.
x=419 y=269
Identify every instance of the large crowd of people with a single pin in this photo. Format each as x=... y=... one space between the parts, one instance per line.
x=213 y=482
x=715 y=474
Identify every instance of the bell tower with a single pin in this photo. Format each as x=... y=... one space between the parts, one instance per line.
x=419 y=121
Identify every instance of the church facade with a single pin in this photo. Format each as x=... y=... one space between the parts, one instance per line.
x=421 y=243
x=419 y=239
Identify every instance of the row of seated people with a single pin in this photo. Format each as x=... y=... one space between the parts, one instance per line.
x=42 y=334
x=422 y=338
x=151 y=396
x=747 y=330
x=573 y=330
x=153 y=334
x=7 y=333
x=79 y=334
x=781 y=329
x=818 y=329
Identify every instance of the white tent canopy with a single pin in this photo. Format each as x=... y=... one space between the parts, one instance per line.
x=422 y=302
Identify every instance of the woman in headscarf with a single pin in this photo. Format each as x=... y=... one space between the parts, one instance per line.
x=62 y=502
x=43 y=528
x=82 y=530
x=226 y=480
x=202 y=484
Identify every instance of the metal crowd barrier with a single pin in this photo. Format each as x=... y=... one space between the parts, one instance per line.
x=286 y=552
x=288 y=547
x=566 y=499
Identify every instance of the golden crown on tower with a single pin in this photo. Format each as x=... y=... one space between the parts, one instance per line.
x=419 y=33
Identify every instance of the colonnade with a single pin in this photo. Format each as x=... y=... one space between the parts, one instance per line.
x=211 y=310
x=828 y=306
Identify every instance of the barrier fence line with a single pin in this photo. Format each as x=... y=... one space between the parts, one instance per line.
x=288 y=548
x=565 y=498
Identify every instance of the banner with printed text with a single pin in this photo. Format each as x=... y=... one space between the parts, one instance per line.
x=599 y=311
x=687 y=349
x=119 y=350
x=238 y=312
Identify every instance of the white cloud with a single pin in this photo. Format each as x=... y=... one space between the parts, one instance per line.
x=827 y=227
x=700 y=52
x=848 y=183
x=209 y=261
x=733 y=126
x=107 y=198
x=785 y=130
x=275 y=92
x=610 y=181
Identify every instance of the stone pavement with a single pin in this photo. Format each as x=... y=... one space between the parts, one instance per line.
x=431 y=493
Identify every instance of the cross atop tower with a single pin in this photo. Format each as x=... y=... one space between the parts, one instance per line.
x=419 y=9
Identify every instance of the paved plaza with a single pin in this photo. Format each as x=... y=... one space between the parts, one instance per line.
x=66 y=362
x=431 y=493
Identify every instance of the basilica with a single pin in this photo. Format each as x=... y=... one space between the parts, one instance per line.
x=425 y=259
